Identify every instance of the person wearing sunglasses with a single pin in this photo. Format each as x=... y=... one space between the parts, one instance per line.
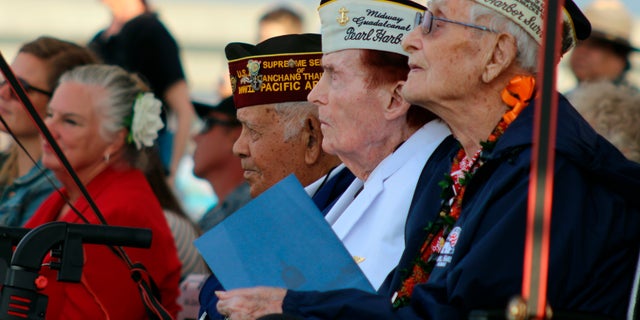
x=37 y=66
x=214 y=161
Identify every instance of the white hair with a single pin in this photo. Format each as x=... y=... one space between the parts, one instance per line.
x=293 y=116
x=528 y=48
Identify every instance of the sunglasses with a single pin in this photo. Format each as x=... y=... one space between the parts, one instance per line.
x=27 y=88
x=209 y=122
x=425 y=21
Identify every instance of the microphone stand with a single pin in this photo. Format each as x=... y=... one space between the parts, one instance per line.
x=20 y=298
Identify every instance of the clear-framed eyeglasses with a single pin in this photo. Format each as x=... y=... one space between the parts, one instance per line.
x=425 y=21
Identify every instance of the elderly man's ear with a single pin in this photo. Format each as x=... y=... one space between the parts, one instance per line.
x=313 y=136
x=499 y=59
x=397 y=106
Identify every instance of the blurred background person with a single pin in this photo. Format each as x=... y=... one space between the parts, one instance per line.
x=103 y=118
x=601 y=64
x=605 y=55
x=184 y=231
x=274 y=22
x=138 y=41
x=279 y=21
x=614 y=111
x=38 y=65
x=214 y=161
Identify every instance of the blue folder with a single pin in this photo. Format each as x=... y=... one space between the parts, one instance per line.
x=280 y=239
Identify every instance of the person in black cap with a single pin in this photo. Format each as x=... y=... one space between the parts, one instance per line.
x=474 y=64
x=214 y=161
x=605 y=54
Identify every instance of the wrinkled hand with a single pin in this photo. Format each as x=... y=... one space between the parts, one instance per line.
x=250 y=303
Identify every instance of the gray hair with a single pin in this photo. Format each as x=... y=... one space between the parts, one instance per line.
x=293 y=115
x=116 y=107
x=528 y=48
x=527 y=56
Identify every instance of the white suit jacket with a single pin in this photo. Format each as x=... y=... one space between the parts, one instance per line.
x=371 y=225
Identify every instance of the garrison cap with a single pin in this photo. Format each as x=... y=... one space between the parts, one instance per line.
x=367 y=24
x=279 y=69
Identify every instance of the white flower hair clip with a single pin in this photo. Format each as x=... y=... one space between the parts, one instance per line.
x=146 y=120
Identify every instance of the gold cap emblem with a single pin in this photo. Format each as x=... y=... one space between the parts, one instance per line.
x=343 y=19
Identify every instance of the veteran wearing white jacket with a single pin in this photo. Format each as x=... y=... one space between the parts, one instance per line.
x=365 y=122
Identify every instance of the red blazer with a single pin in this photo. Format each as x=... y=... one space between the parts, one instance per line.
x=106 y=290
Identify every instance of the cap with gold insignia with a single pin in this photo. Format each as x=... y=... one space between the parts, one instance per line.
x=279 y=69
x=367 y=24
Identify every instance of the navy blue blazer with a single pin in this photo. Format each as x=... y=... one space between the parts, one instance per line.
x=330 y=191
x=595 y=235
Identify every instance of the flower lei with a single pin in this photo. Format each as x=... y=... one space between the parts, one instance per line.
x=516 y=95
x=145 y=121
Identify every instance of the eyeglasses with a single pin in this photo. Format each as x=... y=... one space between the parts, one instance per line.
x=210 y=122
x=27 y=88
x=426 y=19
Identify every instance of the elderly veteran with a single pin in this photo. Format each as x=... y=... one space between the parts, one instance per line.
x=280 y=129
x=380 y=137
x=384 y=140
x=474 y=64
